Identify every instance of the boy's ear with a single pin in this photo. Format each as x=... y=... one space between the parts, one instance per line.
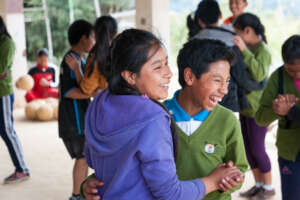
x=201 y=23
x=129 y=77
x=189 y=76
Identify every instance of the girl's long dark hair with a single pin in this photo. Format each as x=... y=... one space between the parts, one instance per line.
x=251 y=20
x=130 y=51
x=106 y=28
x=3 y=29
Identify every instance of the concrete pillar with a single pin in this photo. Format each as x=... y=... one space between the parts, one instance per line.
x=153 y=15
x=12 y=13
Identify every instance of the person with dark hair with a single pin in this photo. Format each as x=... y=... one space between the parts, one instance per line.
x=44 y=78
x=251 y=40
x=237 y=8
x=105 y=28
x=134 y=154
x=280 y=101
x=207 y=17
x=7 y=132
x=204 y=67
x=73 y=103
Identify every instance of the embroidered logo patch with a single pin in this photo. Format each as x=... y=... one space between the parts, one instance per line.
x=209 y=148
x=286 y=170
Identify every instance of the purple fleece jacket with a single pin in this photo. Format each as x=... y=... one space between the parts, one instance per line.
x=129 y=145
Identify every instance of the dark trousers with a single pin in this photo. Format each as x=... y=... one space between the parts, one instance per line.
x=254 y=139
x=290 y=178
x=8 y=133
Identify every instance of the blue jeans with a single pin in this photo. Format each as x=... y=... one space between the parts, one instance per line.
x=290 y=178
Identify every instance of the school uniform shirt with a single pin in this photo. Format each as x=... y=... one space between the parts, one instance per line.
x=258 y=60
x=71 y=111
x=217 y=140
x=288 y=138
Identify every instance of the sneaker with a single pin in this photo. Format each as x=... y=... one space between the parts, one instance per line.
x=251 y=192
x=76 y=197
x=263 y=194
x=16 y=177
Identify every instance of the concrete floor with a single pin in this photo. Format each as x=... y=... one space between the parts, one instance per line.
x=51 y=166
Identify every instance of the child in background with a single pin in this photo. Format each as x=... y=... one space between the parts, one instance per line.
x=237 y=8
x=105 y=28
x=252 y=43
x=73 y=103
x=44 y=78
x=283 y=92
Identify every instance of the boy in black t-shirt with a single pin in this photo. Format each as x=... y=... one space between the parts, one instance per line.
x=73 y=102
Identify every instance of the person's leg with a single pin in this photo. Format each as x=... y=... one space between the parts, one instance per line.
x=80 y=172
x=246 y=132
x=290 y=178
x=75 y=147
x=11 y=140
x=257 y=147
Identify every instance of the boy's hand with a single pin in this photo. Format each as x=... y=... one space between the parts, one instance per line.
x=283 y=103
x=222 y=178
x=44 y=83
x=238 y=41
x=229 y=183
x=90 y=190
x=73 y=62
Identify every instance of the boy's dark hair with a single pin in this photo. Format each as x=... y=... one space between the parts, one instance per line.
x=291 y=49
x=199 y=54
x=251 y=20
x=42 y=52
x=208 y=11
x=105 y=28
x=78 y=29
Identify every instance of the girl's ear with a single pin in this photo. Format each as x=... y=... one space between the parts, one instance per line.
x=248 y=29
x=189 y=76
x=129 y=77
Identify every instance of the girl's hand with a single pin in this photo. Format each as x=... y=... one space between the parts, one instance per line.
x=283 y=103
x=238 y=41
x=90 y=190
x=73 y=62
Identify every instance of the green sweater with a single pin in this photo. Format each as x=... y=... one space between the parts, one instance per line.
x=221 y=134
x=288 y=140
x=7 y=50
x=258 y=61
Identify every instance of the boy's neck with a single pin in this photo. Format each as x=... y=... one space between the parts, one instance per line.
x=77 y=50
x=185 y=100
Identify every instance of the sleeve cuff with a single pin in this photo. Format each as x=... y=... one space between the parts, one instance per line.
x=201 y=187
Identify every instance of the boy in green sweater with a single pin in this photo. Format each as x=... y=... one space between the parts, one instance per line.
x=209 y=134
x=280 y=102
